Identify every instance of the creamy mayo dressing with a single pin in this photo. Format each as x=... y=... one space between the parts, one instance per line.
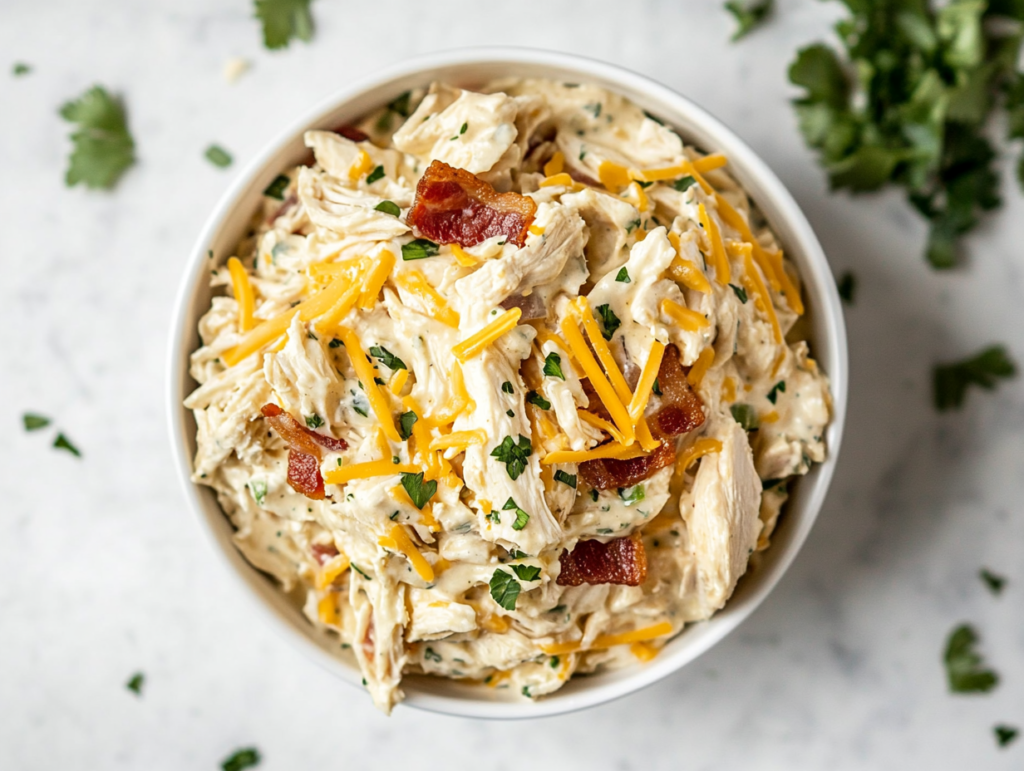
x=434 y=609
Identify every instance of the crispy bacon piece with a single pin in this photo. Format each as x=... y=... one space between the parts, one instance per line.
x=681 y=409
x=609 y=473
x=303 y=451
x=323 y=552
x=453 y=206
x=621 y=561
x=352 y=133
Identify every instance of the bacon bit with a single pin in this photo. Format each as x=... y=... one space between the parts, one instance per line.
x=621 y=561
x=454 y=206
x=681 y=409
x=610 y=473
x=352 y=133
x=288 y=203
x=304 y=475
x=323 y=552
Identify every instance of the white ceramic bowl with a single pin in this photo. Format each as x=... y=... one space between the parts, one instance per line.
x=468 y=68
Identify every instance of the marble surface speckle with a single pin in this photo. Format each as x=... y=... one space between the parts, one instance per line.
x=104 y=571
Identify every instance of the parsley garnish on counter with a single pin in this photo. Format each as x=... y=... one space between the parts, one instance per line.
x=283 y=20
x=749 y=14
x=995 y=583
x=1005 y=734
x=103 y=147
x=847 y=286
x=20 y=68
x=63 y=443
x=512 y=455
x=504 y=589
x=218 y=156
x=950 y=381
x=964 y=667
x=135 y=683
x=34 y=422
x=242 y=759
x=909 y=102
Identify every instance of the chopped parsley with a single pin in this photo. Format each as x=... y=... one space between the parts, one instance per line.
x=633 y=494
x=565 y=478
x=283 y=20
x=745 y=415
x=964 y=667
x=995 y=583
x=420 y=492
x=554 y=662
x=526 y=572
x=609 y=321
x=594 y=108
x=63 y=443
x=218 y=156
x=952 y=380
x=361 y=572
x=510 y=413
x=387 y=358
x=335 y=343
x=405 y=423
x=778 y=388
x=684 y=183
x=373 y=176
x=20 y=68
x=553 y=366
x=513 y=455
x=656 y=388
x=314 y=421
x=537 y=400
x=242 y=759
x=847 y=286
x=741 y=293
x=623 y=276
x=507 y=388
x=277 y=187
x=749 y=14
x=258 y=488
x=504 y=589
x=103 y=147
x=388 y=207
x=594 y=494
x=521 y=516
x=632 y=225
x=1005 y=734
x=135 y=683
x=419 y=249
x=34 y=422
x=431 y=655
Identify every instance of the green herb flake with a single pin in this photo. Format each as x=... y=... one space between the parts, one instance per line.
x=526 y=572
x=135 y=683
x=258 y=488
x=951 y=381
x=507 y=388
x=623 y=276
x=373 y=176
x=277 y=187
x=463 y=129
x=778 y=388
x=656 y=388
x=314 y=421
x=995 y=583
x=847 y=286
x=505 y=589
x=431 y=655
x=218 y=156
x=513 y=455
x=553 y=366
x=103 y=147
x=745 y=415
x=594 y=494
x=521 y=516
x=633 y=494
x=510 y=413
x=388 y=207
x=554 y=662
x=964 y=667
x=749 y=14
x=387 y=358
x=537 y=400
x=632 y=225
x=741 y=293
x=361 y=572
x=684 y=183
x=405 y=423
x=34 y=422
x=63 y=443
x=420 y=492
x=242 y=759
x=609 y=321
x=284 y=20
x=20 y=68
x=419 y=249
x=566 y=478
x=1005 y=734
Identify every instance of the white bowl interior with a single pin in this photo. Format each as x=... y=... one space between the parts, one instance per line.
x=470 y=68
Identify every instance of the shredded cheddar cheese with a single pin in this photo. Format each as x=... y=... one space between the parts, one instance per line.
x=398 y=381
x=368 y=470
x=613 y=176
x=700 y=448
x=710 y=163
x=609 y=450
x=718 y=257
x=242 y=288
x=644 y=651
x=327 y=610
x=464 y=258
x=557 y=180
x=398 y=540
x=375 y=281
x=366 y=374
x=752 y=281
x=459 y=439
x=362 y=164
x=478 y=341
x=642 y=204
x=611 y=640
x=414 y=282
x=645 y=384
x=687 y=319
x=601 y=423
x=684 y=271
x=330 y=571
x=770 y=417
x=555 y=165
x=701 y=366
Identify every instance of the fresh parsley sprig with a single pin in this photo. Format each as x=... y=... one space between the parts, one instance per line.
x=103 y=147
x=284 y=20
x=749 y=14
x=513 y=455
x=951 y=381
x=504 y=589
x=964 y=667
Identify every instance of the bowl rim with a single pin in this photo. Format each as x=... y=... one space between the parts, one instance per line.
x=815 y=274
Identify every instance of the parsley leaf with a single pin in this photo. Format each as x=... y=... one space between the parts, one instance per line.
x=1005 y=734
x=63 y=443
x=521 y=516
x=218 y=156
x=103 y=148
x=741 y=293
x=950 y=381
x=964 y=667
x=512 y=455
x=507 y=388
x=749 y=15
x=553 y=366
x=566 y=478
x=847 y=286
x=283 y=20
x=258 y=488
x=778 y=388
x=135 y=683
x=633 y=494
x=277 y=187
x=537 y=400
x=623 y=276
x=387 y=358
x=373 y=176
x=34 y=422
x=419 y=249
x=388 y=207
x=314 y=421
x=995 y=583
x=420 y=492
x=526 y=572
x=242 y=759
x=504 y=589
x=609 y=321
x=684 y=183
x=745 y=415
x=20 y=68
x=405 y=422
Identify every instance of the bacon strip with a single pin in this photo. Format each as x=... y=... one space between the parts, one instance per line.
x=304 y=452
x=681 y=409
x=322 y=553
x=611 y=474
x=621 y=561
x=304 y=475
x=453 y=206
x=352 y=133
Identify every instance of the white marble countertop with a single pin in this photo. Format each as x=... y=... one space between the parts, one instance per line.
x=105 y=572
